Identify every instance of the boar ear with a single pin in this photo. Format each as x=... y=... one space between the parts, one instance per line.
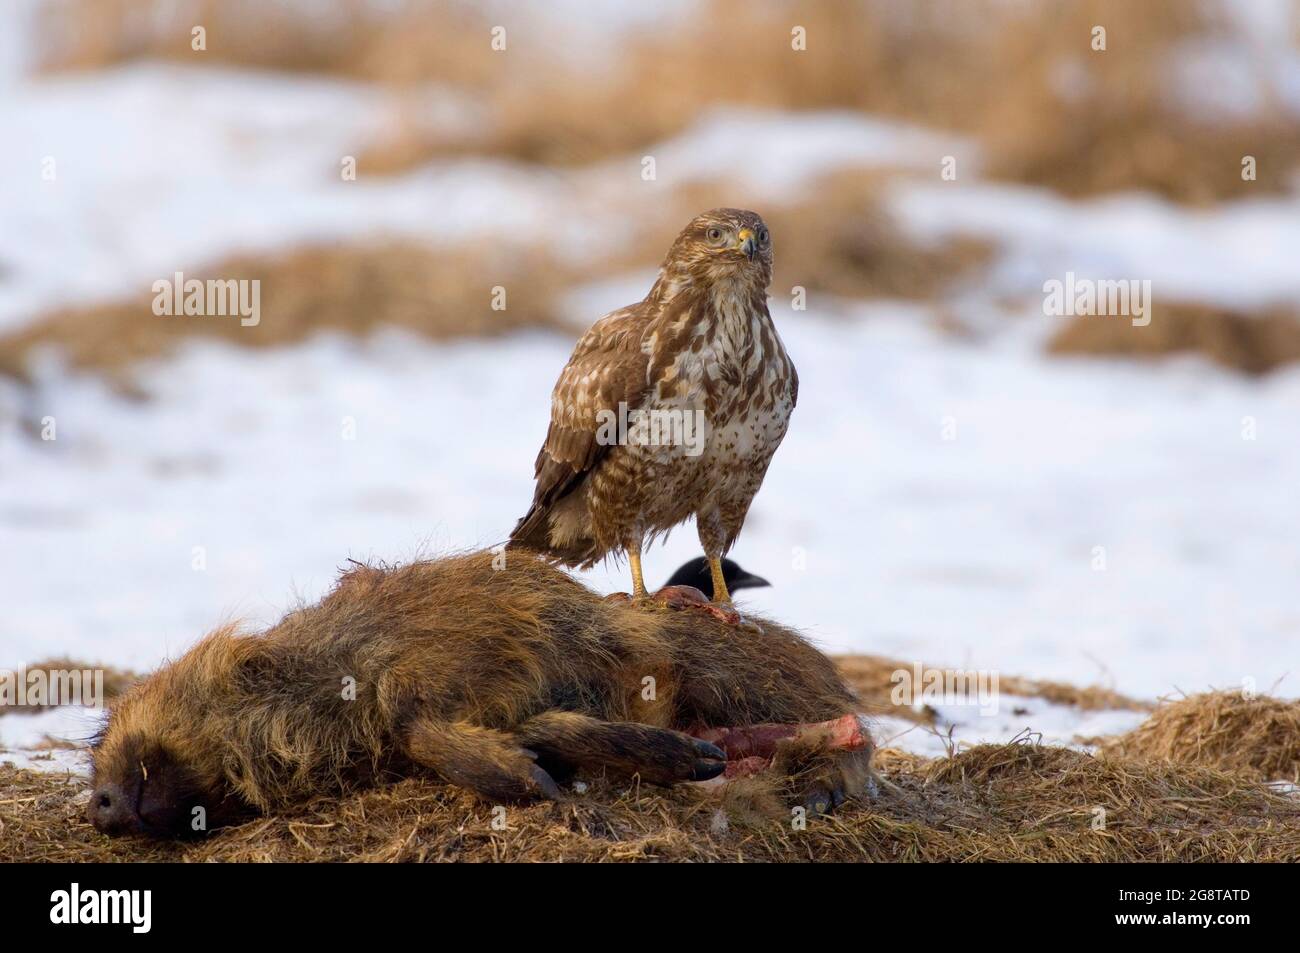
x=223 y=658
x=258 y=666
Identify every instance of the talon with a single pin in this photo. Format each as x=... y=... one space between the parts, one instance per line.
x=643 y=601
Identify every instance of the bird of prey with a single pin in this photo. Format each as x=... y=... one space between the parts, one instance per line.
x=669 y=408
x=695 y=572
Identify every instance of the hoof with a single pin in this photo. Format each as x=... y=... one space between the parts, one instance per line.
x=709 y=763
x=823 y=798
x=543 y=784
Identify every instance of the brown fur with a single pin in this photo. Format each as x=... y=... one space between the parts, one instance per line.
x=493 y=679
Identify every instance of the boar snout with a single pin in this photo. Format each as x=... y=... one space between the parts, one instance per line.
x=111 y=811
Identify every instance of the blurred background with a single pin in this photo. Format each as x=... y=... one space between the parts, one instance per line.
x=967 y=480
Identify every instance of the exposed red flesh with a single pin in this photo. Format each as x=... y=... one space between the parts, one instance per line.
x=688 y=597
x=750 y=749
x=683 y=598
x=761 y=740
x=744 y=768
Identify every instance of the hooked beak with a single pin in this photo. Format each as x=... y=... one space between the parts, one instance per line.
x=748 y=244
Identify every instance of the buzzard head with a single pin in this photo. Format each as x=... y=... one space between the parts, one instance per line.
x=724 y=244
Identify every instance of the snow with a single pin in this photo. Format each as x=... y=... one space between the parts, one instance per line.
x=1241 y=254
x=1030 y=719
x=937 y=499
x=157 y=166
x=66 y=723
x=776 y=152
x=975 y=551
x=23 y=737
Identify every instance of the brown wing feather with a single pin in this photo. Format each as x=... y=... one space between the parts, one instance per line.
x=607 y=368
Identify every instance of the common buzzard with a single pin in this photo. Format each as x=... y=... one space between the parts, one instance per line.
x=669 y=408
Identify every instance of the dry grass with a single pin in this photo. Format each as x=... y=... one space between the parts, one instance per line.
x=1255 y=343
x=1188 y=785
x=1085 y=122
x=440 y=294
x=839 y=238
x=1255 y=737
x=419 y=40
x=1020 y=77
x=116 y=680
x=836 y=237
x=994 y=802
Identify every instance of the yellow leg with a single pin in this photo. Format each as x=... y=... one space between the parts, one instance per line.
x=638 y=581
x=720 y=593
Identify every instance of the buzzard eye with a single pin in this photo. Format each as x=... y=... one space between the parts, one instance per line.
x=762 y=236
x=714 y=234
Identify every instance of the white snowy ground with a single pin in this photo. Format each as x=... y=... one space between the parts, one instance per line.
x=879 y=534
x=974 y=551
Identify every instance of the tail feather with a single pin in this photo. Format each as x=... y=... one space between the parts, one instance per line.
x=533 y=532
